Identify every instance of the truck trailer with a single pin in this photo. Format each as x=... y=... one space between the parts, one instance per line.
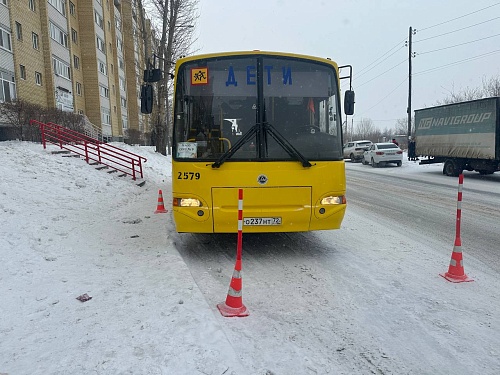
x=463 y=136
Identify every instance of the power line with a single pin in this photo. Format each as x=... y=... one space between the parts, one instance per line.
x=372 y=67
x=454 y=19
x=381 y=74
x=454 y=31
x=458 y=62
x=381 y=100
x=366 y=67
x=359 y=75
x=457 y=45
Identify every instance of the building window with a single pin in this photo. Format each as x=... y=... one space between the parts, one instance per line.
x=61 y=69
x=124 y=122
x=122 y=83
x=60 y=5
x=19 y=31
x=98 y=19
x=112 y=69
x=34 y=38
x=5 y=42
x=79 y=88
x=101 y=45
x=72 y=9
x=4 y=2
x=102 y=67
x=22 y=71
x=104 y=91
x=105 y=116
x=32 y=5
x=58 y=35
x=74 y=36
x=121 y=63
x=38 y=78
x=76 y=62
x=118 y=24
x=124 y=102
x=7 y=88
x=119 y=44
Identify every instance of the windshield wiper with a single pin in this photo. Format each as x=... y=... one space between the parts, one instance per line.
x=246 y=137
x=282 y=141
x=287 y=146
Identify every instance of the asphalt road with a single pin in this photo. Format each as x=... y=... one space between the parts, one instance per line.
x=427 y=203
x=314 y=297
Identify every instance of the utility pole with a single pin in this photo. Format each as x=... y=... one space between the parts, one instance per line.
x=352 y=126
x=410 y=56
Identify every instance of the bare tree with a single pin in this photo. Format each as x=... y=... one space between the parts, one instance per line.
x=462 y=95
x=401 y=126
x=174 y=23
x=365 y=128
x=491 y=87
x=19 y=113
x=387 y=133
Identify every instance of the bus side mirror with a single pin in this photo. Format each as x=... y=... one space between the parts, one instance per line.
x=147 y=99
x=152 y=75
x=349 y=102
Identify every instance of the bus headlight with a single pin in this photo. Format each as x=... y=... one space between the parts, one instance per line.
x=334 y=200
x=187 y=202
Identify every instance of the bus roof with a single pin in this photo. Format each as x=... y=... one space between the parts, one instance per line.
x=255 y=53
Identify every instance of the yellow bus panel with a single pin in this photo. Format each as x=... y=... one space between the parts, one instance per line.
x=291 y=193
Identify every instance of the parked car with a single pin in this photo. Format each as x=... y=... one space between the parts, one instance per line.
x=382 y=153
x=354 y=150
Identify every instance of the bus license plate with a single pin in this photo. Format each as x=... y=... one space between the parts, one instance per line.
x=262 y=221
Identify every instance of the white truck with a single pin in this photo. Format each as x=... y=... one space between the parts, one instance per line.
x=463 y=136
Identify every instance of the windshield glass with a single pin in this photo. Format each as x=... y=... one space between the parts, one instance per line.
x=387 y=145
x=364 y=144
x=217 y=103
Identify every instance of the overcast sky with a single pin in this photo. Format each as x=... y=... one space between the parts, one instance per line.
x=369 y=35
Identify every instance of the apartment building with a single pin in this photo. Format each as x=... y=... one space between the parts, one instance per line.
x=83 y=56
x=7 y=74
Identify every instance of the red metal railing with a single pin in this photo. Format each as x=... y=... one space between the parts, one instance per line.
x=91 y=149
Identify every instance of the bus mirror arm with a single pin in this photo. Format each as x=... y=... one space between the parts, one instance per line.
x=236 y=147
x=287 y=146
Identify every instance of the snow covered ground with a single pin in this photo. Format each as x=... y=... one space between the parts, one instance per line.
x=67 y=229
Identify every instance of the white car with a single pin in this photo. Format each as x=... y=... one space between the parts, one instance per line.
x=383 y=153
x=354 y=150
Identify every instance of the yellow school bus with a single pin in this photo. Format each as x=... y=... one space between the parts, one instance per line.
x=266 y=122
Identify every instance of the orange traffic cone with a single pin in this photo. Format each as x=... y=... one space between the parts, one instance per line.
x=456 y=272
x=234 y=302
x=160 y=208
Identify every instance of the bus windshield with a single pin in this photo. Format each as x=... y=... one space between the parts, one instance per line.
x=257 y=108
